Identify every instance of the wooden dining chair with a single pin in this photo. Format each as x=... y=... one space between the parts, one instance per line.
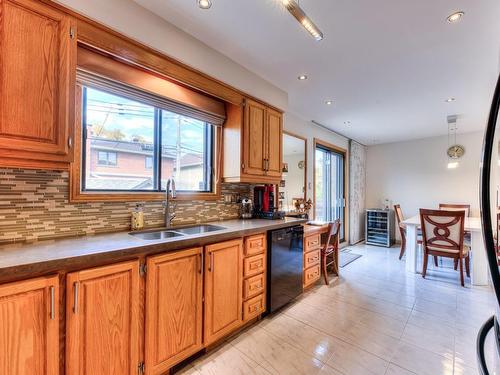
x=330 y=250
x=402 y=230
x=457 y=207
x=443 y=235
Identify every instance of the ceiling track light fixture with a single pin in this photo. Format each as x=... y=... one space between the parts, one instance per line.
x=205 y=4
x=295 y=10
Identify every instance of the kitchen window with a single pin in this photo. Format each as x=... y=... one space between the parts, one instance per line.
x=146 y=145
x=156 y=128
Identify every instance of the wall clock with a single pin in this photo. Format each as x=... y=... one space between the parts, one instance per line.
x=301 y=164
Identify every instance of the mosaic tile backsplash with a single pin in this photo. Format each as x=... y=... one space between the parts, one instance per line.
x=34 y=205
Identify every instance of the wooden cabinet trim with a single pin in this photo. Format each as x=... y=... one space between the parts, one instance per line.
x=254 y=307
x=312 y=258
x=311 y=275
x=191 y=324
x=254 y=286
x=254 y=265
x=219 y=315
x=76 y=316
x=45 y=322
x=50 y=141
x=255 y=244
x=274 y=140
x=312 y=242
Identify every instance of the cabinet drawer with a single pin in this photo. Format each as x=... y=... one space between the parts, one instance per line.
x=312 y=258
x=311 y=275
x=312 y=242
x=254 y=265
x=255 y=244
x=253 y=307
x=253 y=286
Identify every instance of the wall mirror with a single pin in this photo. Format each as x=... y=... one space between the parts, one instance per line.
x=293 y=185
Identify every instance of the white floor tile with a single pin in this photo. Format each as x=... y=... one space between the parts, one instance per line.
x=375 y=319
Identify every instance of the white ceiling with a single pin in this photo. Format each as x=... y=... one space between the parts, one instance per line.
x=388 y=65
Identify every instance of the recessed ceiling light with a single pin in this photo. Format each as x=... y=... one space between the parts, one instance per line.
x=205 y=4
x=455 y=17
x=329 y=102
x=302 y=77
x=450 y=100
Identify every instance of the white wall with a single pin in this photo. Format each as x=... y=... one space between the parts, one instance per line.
x=415 y=174
x=309 y=130
x=136 y=22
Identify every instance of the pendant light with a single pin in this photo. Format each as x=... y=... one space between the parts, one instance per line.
x=454 y=151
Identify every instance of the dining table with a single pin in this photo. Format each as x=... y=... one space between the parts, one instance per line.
x=479 y=269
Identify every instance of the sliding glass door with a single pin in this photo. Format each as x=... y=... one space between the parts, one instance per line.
x=329 y=185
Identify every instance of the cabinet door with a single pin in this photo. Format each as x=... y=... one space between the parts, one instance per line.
x=29 y=327
x=174 y=308
x=254 y=137
x=102 y=329
x=274 y=135
x=37 y=73
x=223 y=289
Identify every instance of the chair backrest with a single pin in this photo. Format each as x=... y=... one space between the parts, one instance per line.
x=443 y=231
x=455 y=207
x=399 y=213
x=333 y=234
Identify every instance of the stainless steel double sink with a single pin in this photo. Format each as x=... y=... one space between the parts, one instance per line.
x=160 y=234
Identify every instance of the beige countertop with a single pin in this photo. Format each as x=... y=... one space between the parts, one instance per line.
x=41 y=257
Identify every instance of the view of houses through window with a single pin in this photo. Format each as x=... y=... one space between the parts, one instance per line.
x=124 y=139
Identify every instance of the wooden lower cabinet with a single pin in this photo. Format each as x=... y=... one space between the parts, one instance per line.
x=254 y=277
x=102 y=329
x=174 y=308
x=223 y=289
x=29 y=327
x=312 y=259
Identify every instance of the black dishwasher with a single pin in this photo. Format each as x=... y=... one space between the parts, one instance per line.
x=284 y=272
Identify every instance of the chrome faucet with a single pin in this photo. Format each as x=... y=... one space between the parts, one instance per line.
x=170 y=194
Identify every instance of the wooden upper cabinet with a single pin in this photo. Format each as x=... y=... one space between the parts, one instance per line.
x=254 y=133
x=174 y=308
x=37 y=78
x=29 y=327
x=223 y=289
x=254 y=139
x=102 y=329
x=274 y=132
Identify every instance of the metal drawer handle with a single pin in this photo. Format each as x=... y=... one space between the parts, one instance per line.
x=52 y=303
x=200 y=270
x=76 y=288
x=211 y=264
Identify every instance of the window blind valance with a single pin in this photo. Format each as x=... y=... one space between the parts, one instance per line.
x=105 y=73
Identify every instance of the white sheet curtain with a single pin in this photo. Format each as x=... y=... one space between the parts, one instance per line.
x=357 y=191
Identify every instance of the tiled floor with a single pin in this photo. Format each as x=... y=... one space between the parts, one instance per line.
x=375 y=319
